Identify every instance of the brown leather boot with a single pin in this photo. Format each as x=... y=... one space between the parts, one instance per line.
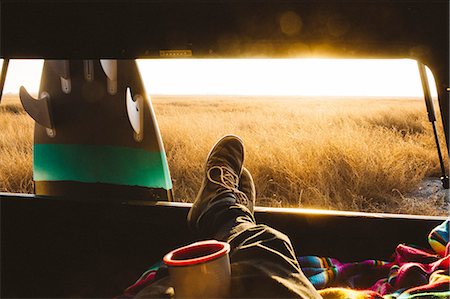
x=222 y=171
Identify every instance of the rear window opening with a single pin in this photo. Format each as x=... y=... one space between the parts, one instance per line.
x=319 y=133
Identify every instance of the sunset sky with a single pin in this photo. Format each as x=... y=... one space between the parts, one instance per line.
x=308 y=77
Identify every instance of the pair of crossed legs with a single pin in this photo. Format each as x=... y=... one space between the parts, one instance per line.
x=263 y=261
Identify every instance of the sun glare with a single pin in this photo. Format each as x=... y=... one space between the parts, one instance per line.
x=307 y=77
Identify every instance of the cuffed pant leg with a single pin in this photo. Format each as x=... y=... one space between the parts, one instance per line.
x=264 y=264
x=263 y=261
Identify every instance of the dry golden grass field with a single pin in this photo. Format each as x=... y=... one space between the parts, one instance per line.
x=346 y=154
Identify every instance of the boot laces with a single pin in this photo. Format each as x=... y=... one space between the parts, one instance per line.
x=230 y=181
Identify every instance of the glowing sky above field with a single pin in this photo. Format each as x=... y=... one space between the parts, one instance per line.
x=308 y=77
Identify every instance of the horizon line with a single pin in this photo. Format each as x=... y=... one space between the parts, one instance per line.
x=261 y=95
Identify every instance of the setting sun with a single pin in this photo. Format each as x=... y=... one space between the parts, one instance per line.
x=308 y=77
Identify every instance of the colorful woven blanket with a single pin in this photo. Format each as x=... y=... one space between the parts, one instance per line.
x=411 y=273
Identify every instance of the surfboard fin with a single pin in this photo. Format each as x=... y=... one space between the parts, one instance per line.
x=88 y=66
x=135 y=111
x=110 y=68
x=38 y=109
x=62 y=69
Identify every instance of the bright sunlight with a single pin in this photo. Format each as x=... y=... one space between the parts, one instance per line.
x=309 y=77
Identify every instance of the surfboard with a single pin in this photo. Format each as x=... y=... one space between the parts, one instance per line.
x=96 y=133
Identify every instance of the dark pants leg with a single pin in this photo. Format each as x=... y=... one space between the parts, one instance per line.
x=263 y=261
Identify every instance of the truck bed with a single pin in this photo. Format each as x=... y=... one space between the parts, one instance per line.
x=60 y=248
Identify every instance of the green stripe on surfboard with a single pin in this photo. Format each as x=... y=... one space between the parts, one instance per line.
x=100 y=164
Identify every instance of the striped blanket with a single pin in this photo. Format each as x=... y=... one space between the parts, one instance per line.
x=411 y=273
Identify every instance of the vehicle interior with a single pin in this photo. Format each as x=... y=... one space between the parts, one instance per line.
x=72 y=239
